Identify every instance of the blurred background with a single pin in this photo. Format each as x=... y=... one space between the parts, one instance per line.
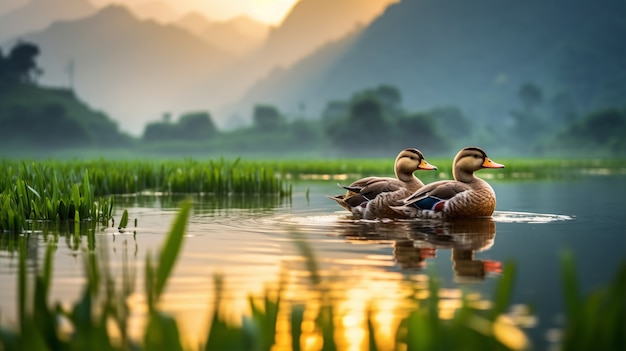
x=321 y=78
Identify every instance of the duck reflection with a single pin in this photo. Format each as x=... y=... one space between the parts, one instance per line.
x=414 y=242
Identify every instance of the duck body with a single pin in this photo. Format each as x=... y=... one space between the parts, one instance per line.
x=371 y=197
x=464 y=197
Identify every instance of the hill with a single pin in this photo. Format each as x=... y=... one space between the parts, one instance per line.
x=38 y=14
x=474 y=55
x=134 y=70
x=36 y=119
x=238 y=36
x=308 y=26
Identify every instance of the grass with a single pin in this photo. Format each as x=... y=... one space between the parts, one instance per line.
x=81 y=189
x=595 y=321
x=516 y=168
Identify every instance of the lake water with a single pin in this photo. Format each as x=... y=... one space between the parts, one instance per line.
x=251 y=242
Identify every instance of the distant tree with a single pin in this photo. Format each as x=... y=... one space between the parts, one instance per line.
x=20 y=65
x=420 y=130
x=159 y=131
x=531 y=96
x=48 y=126
x=335 y=110
x=197 y=125
x=388 y=96
x=599 y=132
x=166 y=117
x=365 y=130
x=304 y=132
x=267 y=118
x=452 y=120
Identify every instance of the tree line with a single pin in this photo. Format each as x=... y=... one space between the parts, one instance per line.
x=372 y=122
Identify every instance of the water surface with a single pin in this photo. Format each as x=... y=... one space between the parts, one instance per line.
x=365 y=264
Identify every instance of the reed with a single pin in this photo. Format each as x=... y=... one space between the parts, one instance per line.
x=81 y=189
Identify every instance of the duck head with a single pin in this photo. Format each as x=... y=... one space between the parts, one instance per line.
x=469 y=160
x=410 y=160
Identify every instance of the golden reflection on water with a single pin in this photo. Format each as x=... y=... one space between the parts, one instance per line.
x=358 y=286
x=355 y=294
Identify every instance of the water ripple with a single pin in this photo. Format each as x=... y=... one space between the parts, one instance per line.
x=528 y=217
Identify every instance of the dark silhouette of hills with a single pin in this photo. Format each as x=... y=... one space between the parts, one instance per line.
x=473 y=54
x=133 y=70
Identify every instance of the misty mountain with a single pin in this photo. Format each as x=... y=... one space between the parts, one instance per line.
x=474 y=55
x=238 y=36
x=133 y=70
x=312 y=23
x=38 y=14
x=155 y=10
x=307 y=27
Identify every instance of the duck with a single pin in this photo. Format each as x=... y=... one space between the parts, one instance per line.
x=467 y=196
x=370 y=197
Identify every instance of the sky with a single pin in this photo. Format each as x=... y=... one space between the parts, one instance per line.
x=268 y=11
x=271 y=12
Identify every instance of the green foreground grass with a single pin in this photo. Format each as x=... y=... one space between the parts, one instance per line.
x=596 y=321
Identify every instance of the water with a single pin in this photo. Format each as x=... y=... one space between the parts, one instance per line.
x=250 y=241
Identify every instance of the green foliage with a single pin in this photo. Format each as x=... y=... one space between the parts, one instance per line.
x=599 y=132
x=34 y=118
x=267 y=118
x=596 y=321
x=19 y=67
x=33 y=192
x=191 y=126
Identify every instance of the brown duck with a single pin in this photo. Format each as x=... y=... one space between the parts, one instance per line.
x=464 y=197
x=371 y=197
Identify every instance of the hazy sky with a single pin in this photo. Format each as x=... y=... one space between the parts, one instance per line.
x=268 y=11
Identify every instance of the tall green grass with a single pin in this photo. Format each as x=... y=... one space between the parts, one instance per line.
x=103 y=306
x=82 y=189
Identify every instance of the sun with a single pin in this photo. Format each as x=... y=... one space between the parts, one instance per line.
x=270 y=11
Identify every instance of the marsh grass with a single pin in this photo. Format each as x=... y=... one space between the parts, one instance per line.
x=596 y=320
x=81 y=189
x=516 y=168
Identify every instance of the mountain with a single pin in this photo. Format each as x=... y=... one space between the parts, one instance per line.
x=133 y=70
x=312 y=23
x=308 y=26
x=38 y=14
x=193 y=22
x=158 y=11
x=9 y=5
x=474 y=55
x=239 y=35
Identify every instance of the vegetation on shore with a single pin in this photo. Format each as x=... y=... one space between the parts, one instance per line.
x=52 y=190
x=36 y=120
x=81 y=190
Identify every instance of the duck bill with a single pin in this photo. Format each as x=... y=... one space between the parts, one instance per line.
x=490 y=164
x=426 y=166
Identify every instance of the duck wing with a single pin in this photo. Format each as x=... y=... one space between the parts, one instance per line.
x=368 y=188
x=441 y=190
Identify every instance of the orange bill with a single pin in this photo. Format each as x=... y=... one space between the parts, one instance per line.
x=490 y=164
x=427 y=166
